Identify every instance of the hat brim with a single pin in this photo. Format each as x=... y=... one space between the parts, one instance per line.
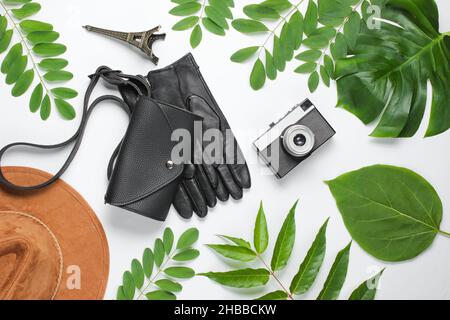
x=79 y=232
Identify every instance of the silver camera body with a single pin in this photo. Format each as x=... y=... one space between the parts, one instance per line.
x=292 y=139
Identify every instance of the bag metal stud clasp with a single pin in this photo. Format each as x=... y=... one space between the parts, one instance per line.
x=141 y=40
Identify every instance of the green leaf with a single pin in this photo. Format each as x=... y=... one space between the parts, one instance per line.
x=180 y=272
x=392 y=213
x=138 y=273
x=296 y=23
x=368 y=289
x=36 y=98
x=316 y=42
x=128 y=285
x=188 y=238
x=120 y=294
x=49 y=49
x=222 y=8
x=244 y=278
x=65 y=109
x=278 y=55
x=13 y=54
x=325 y=76
x=244 y=54
x=213 y=27
x=313 y=81
x=271 y=70
x=259 y=12
x=240 y=242
x=186 y=9
x=377 y=83
x=278 y=5
x=332 y=12
x=16 y=69
x=148 y=261
x=234 y=252
x=339 y=47
x=309 y=56
x=249 y=26
x=196 y=36
x=285 y=241
x=64 y=93
x=159 y=252
x=308 y=67
x=42 y=37
x=276 y=295
x=5 y=40
x=23 y=83
x=168 y=239
x=258 y=75
x=213 y=14
x=336 y=278
x=261 y=234
x=57 y=76
x=53 y=64
x=160 y=295
x=185 y=23
x=29 y=26
x=310 y=267
x=3 y=26
x=351 y=29
x=329 y=65
x=26 y=10
x=45 y=108
x=310 y=21
x=169 y=285
x=186 y=255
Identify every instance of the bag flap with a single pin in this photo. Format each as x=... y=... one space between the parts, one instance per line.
x=142 y=164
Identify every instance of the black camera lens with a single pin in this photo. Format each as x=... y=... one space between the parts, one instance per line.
x=299 y=140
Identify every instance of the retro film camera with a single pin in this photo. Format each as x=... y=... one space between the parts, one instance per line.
x=293 y=138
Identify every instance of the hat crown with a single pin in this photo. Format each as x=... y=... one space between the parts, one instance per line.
x=30 y=258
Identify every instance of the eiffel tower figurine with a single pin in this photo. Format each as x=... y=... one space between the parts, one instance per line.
x=142 y=40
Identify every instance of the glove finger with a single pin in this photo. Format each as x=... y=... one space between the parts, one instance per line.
x=196 y=196
x=241 y=175
x=221 y=192
x=205 y=186
x=211 y=173
x=182 y=203
x=229 y=183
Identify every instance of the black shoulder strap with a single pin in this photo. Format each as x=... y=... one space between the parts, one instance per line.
x=131 y=85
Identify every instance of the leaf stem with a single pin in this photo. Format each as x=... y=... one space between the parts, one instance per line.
x=272 y=273
x=283 y=19
x=446 y=234
x=25 y=44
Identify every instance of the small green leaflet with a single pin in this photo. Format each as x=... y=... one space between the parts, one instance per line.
x=336 y=278
x=244 y=278
x=285 y=241
x=310 y=267
x=261 y=234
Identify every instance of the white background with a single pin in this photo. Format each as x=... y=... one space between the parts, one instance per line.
x=248 y=112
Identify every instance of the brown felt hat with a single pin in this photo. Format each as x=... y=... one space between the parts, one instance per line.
x=52 y=245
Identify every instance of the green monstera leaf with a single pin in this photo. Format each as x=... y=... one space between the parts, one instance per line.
x=387 y=72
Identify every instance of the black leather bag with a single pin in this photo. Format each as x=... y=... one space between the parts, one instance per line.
x=143 y=178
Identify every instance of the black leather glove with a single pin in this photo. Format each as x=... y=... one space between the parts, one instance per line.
x=182 y=84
